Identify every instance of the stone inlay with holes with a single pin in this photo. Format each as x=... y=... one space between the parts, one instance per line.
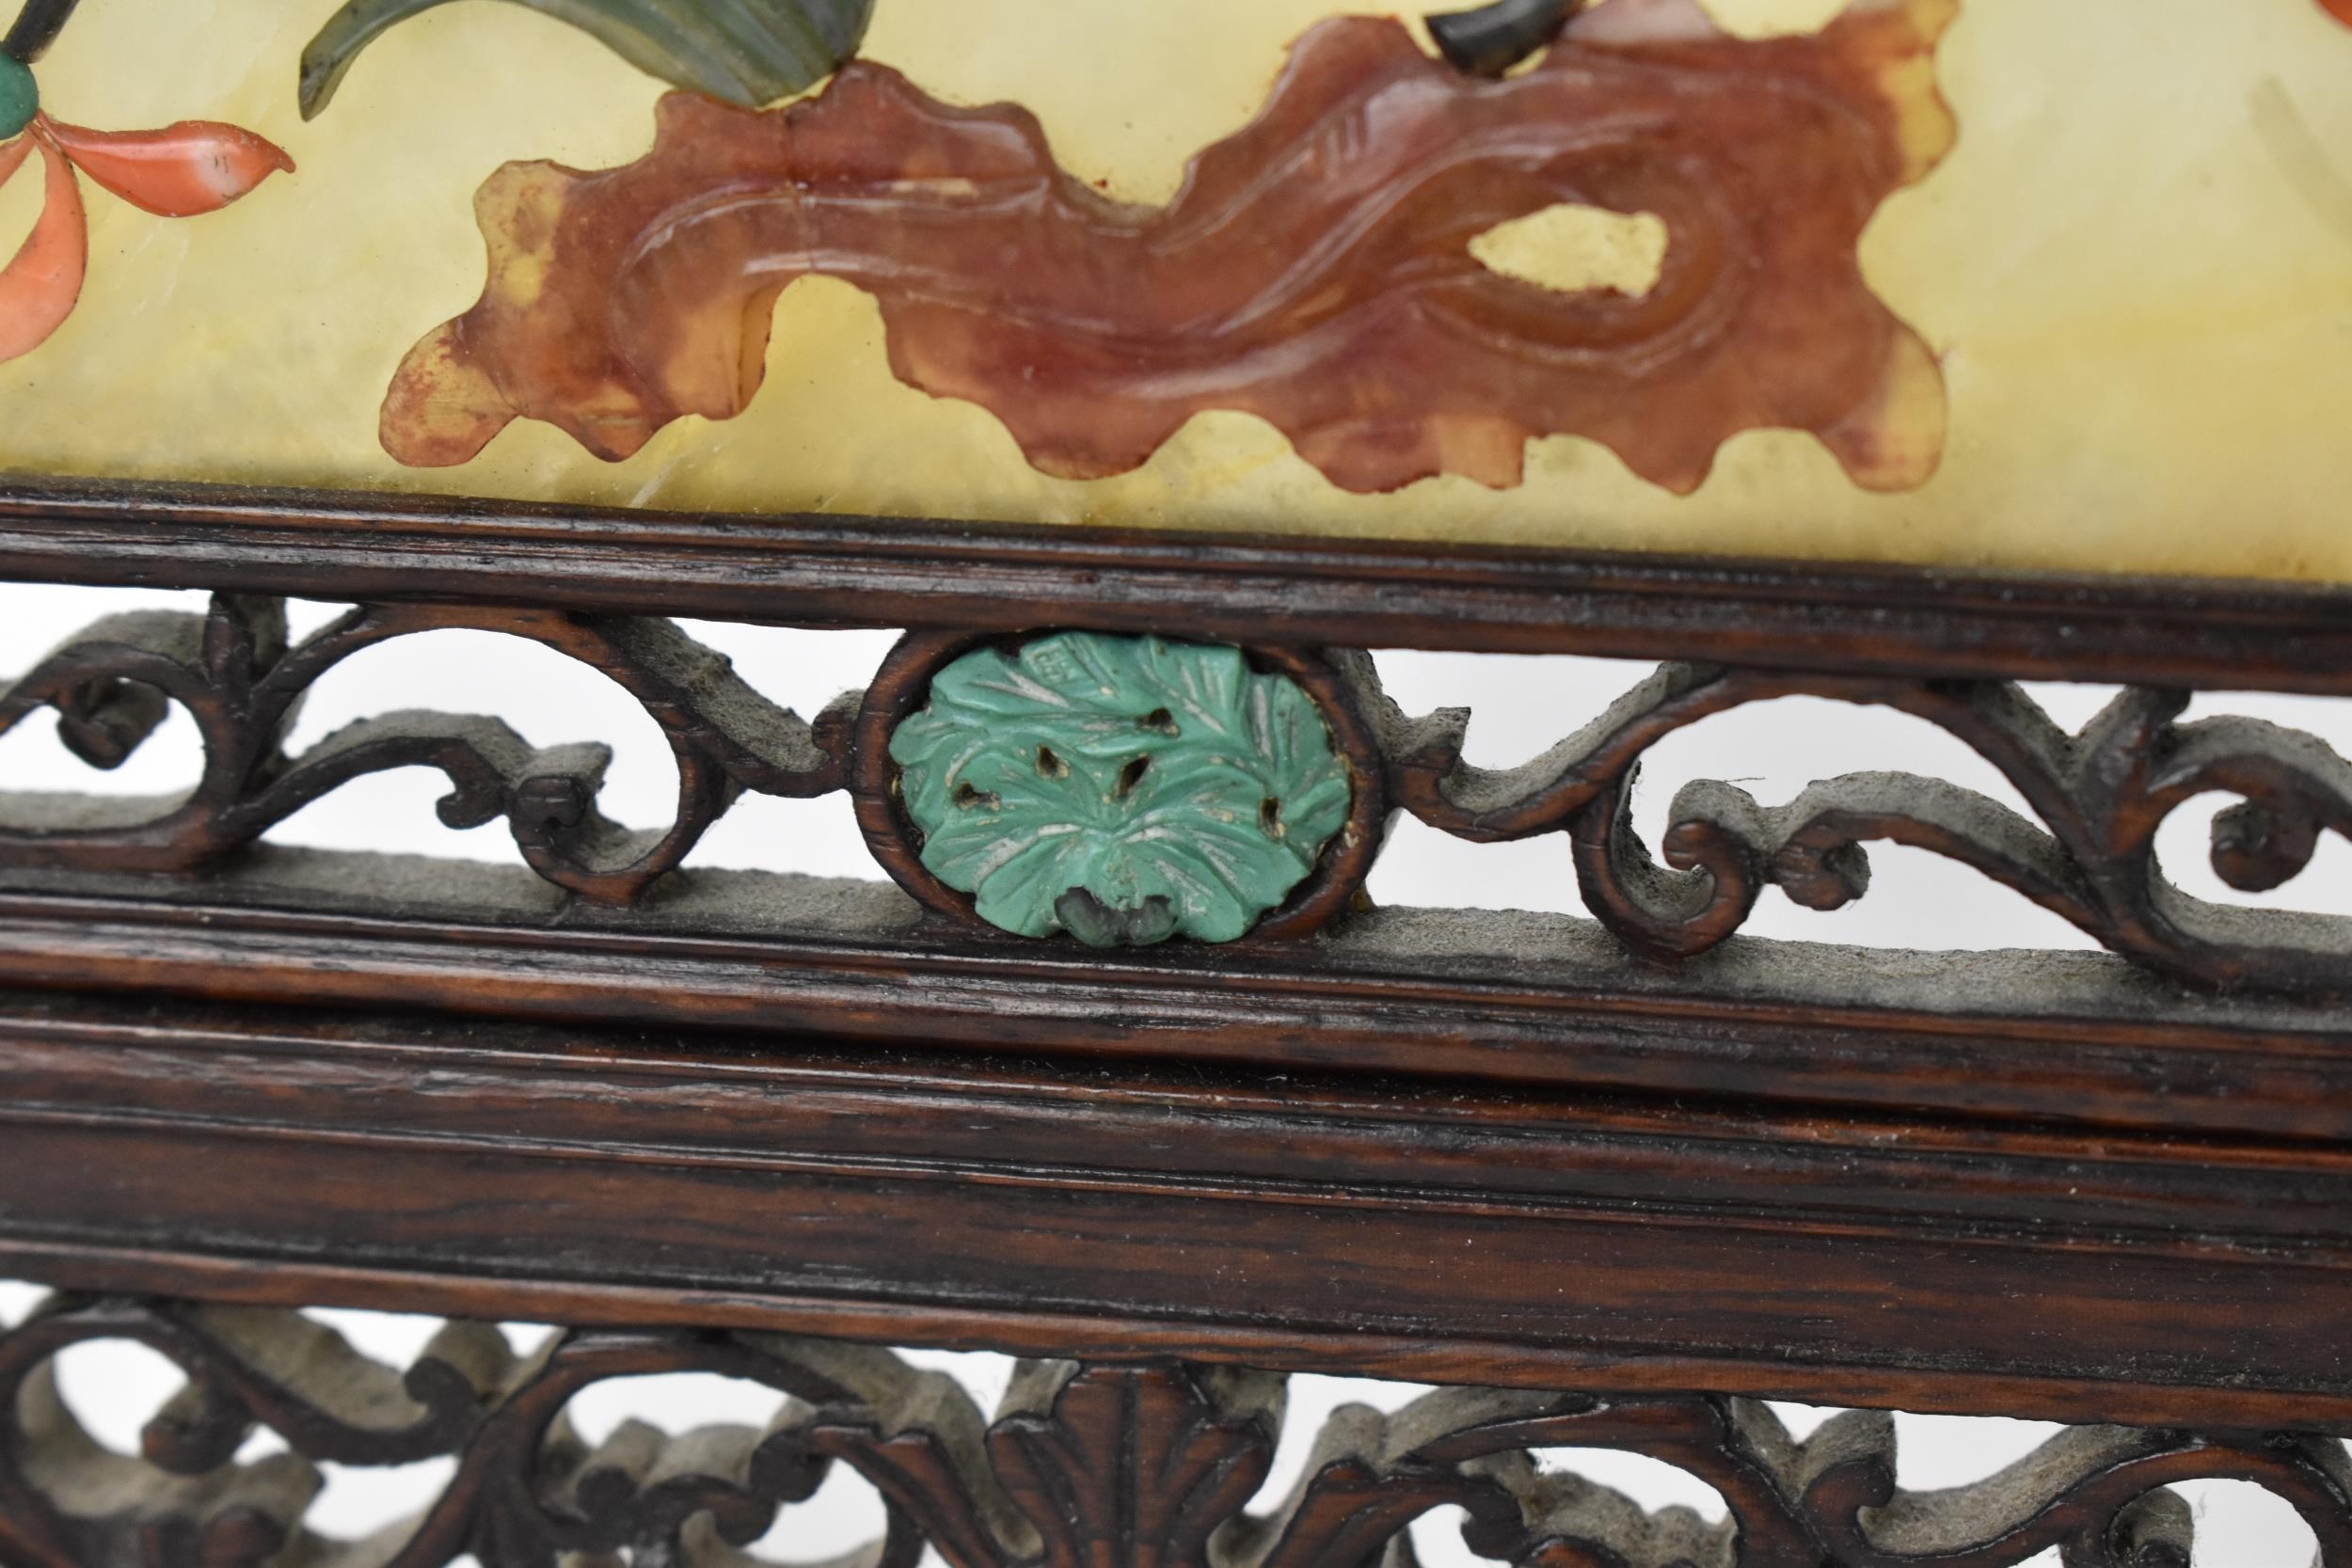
x=1128 y=790
x=1125 y=790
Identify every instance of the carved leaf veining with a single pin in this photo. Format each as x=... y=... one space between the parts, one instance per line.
x=1125 y=789
x=749 y=52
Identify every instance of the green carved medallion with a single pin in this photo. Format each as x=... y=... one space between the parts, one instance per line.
x=1122 y=789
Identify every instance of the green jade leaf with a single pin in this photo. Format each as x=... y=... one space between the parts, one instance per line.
x=1125 y=790
x=20 y=99
x=746 y=52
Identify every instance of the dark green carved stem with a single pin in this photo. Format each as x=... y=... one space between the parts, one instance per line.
x=1491 y=39
x=36 y=27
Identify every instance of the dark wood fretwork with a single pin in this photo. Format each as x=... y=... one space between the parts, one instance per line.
x=749 y=1124
x=2101 y=794
x=1153 y=1461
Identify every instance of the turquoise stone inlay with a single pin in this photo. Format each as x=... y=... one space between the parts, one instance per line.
x=1122 y=789
x=20 y=99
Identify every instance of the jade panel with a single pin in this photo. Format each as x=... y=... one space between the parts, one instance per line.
x=2022 y=283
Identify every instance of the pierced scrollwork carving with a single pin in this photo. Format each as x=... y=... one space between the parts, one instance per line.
x=1154 y=1461
x=2087 y=852
x=238 y=677
x=2100 y=795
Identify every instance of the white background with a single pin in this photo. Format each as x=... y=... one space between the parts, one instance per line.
x=1774 y=750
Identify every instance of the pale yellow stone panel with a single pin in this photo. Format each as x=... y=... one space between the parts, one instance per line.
x=2136 y=270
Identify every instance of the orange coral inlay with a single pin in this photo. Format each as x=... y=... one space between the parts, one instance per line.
x=179 y=171
x=39 y=288
x=2340 y=9
x=1316 y=270
x=194 y=166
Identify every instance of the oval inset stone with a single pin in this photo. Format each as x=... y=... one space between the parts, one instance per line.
x=1122 y=789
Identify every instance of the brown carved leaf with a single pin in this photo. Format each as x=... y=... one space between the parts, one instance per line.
x=1316 y=270
x=1134 y=1467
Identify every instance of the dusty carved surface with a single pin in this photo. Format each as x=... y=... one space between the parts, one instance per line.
x=1316 y=270
x=1143 y=1463
x=2102 y=794
x=2099 y=795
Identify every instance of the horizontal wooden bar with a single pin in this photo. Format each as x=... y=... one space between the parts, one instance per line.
x=1305 y=1221
x=1552 y=1001
x=887 y=572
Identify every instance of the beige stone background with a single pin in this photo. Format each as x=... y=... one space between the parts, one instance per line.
x=2137 y=268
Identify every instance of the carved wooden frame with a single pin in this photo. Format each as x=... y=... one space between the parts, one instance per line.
x=1532 y=1153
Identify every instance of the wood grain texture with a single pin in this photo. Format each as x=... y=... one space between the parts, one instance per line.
x=797 y=570
x=1438 y=997
x=1261 y=1215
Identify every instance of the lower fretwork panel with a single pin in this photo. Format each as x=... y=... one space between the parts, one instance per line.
x=1130 y=1462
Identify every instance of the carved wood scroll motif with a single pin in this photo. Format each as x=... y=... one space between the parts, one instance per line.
x=1156 y=857
x=1316 y=269
x=1149 y=1462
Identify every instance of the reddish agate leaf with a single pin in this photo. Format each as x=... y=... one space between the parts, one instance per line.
x=1316 y=270
x=2340 y=9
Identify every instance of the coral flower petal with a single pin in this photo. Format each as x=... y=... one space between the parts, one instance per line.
x=2340 y=9
x=39 y=288
x=197 y=166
